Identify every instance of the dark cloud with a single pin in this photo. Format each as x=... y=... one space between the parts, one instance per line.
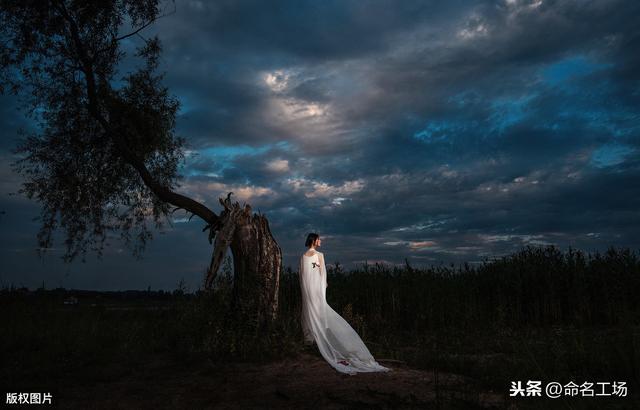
x=436 y=131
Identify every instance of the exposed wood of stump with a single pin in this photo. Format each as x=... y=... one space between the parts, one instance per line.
x=257 y=260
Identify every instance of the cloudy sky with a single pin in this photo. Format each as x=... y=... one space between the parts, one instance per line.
x=439 y=132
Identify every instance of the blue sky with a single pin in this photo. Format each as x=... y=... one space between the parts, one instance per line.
x=440 y=132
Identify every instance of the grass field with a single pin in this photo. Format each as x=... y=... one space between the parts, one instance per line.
x=539 y=314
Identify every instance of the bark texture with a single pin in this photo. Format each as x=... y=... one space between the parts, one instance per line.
x=257 y=261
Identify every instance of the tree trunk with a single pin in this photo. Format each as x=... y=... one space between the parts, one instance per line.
x=257 y=260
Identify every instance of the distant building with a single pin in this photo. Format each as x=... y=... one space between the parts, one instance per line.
x=71 y=300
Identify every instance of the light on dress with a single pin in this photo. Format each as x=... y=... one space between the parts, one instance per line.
x=338 y=343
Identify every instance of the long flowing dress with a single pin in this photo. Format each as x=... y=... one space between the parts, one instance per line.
x=338 y=343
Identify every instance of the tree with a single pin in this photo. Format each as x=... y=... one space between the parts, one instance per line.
x=106 y=158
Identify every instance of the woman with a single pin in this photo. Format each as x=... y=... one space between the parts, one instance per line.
x=338 y=343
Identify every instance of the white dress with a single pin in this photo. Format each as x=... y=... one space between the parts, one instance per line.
x=335 y=338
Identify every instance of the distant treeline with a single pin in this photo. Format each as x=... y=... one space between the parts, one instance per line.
x=92 y=294
x=535 y=286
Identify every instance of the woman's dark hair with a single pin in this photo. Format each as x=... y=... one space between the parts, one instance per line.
x=311 y=238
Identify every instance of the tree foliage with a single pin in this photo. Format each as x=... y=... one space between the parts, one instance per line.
x=105 y=157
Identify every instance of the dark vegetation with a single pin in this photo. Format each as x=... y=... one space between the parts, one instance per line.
x=539 y=314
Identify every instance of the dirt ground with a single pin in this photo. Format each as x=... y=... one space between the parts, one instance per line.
x=301 y=382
